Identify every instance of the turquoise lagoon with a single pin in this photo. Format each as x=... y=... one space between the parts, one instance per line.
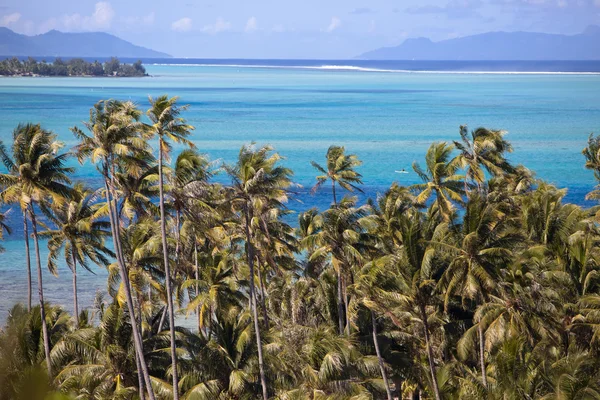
x=387 y=118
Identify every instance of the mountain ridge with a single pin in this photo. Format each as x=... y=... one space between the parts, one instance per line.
x=70 y=44
x=498 y=45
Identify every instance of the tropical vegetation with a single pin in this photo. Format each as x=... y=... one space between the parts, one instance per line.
x=480 y=282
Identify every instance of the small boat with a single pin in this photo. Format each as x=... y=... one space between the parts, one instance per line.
x=401 y=172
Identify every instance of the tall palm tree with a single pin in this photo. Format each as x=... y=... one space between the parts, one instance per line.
x=116 y=135
x=166 y=123
x=484 y=149
x=257 y=179
x=341 y=236
x=440 y=180
x=78 y=235
x=340 y=170
x=36 y=174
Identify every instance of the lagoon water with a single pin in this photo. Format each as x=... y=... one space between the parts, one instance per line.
x=386 y=116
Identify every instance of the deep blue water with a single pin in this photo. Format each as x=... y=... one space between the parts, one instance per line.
x=301 y=107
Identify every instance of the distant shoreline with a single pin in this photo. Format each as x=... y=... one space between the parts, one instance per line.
x=76 y=67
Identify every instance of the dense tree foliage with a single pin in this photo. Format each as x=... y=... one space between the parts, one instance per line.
x=478 y=283
x=72 y=67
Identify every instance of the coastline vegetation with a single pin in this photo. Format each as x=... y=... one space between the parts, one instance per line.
x=479 y=283
x=72 y=67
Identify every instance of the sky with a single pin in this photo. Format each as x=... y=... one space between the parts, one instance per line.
x=320 y=29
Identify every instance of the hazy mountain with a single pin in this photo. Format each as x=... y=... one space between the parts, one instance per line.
x=55 y=43
x=497 y=46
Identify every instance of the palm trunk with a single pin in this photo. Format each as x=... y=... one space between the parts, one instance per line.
x=137 y=337
x=333 y=191
x=482 y=355
x=345 y=292
x=75 y=303
x=379 y=358
x=27 y=259
x=197 y=276
x=263 y=298
x=38 y=261
x=341 y=319
x=250 y=250
x=434 y=382
x=163 y=234
x=161 y=323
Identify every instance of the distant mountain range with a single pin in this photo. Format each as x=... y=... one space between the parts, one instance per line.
x=497 y=46
x=61 y=44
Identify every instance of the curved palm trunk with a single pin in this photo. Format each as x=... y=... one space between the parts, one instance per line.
x=379 y=358
x=36 y=244
x=434 y=381
x=482 y=355
x=75 y=303
x=250 y=254
x=137 y=337
x=27 y=259
x=163 y=234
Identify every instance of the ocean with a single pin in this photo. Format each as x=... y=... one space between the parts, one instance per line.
x=387 y=112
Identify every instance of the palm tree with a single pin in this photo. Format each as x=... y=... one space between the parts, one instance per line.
x=257 y=179
x=36 y=173
x=592 y=162
x=116 y=136
x=440 y=179
x=340 y=169
x=479 y=247
x=484 y=149
x=78 y=235
x=168 y=126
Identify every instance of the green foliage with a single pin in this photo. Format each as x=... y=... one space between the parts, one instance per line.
x=72 y=67
x=479 y=282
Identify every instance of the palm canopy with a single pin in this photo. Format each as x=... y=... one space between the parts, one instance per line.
x=483 y=149
x=78 y=234
x=115 y=134
x=165 y=121
x=35 y=170
x=440 y=180
x=340 y=169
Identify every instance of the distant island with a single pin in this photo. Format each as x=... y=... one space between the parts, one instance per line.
x=73 y=67
x=80 y=44
x=495 y=46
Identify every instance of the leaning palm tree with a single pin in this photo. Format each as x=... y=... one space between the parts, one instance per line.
x=440 y=180
x=117 y=137
x=78 y=236
x=340 y=170
x=36 y=174
x=257 y=179
x=166 y=123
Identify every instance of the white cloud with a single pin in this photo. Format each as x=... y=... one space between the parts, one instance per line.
x=10 y=19
x=334 y=24
x=220 y=25
x=101 y=19
x=278 y=28
x=251 y=25
x=182 y=25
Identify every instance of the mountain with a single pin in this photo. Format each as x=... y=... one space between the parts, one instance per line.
x=85 y=44
x=497 y=46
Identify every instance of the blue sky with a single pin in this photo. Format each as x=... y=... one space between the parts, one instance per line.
x=293 y=28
